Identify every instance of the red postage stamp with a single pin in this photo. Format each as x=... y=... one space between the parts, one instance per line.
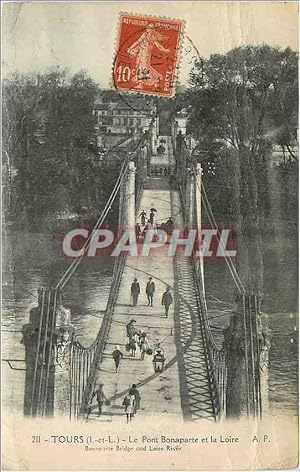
x=147 y=55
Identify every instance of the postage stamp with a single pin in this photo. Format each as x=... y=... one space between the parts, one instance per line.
x=147 y=55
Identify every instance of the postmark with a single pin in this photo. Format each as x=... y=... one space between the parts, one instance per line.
x=147 y=55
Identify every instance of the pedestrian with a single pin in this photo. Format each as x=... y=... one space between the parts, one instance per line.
x=101 y=398
x=117 y=356
x=132 y=346
x=144 y=345
x=159 y=150
x=167 y=300
x=150 y=289
x=145 y=231
x=137 y=397
x=142 y=215
x=158 y=359
x=135 y=291
x=151 y=217
x=130 y=328
x=137 y=231
x=129 y=405
x=169 y=226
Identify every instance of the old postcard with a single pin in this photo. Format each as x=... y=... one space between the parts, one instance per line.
x=150 y=235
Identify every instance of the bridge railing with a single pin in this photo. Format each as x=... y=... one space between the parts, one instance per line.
x=141 y=171
x=242 y=338
x=85 y=360
x=215 y=356
x=60 y=371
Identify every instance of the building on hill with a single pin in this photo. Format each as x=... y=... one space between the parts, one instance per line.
x=117 y=119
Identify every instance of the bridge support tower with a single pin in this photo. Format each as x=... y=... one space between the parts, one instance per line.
x=247 y=346
x=48 y=344
x=127 y=200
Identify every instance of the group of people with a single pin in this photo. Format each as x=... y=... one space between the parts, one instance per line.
x=131 y=401
x=149 y=223
x=143 y=216
x=137 y=338
x=166 y=300
x=140 y=233
x=160 y=170
x=168 y=226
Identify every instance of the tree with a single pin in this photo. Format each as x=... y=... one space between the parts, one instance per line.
x=231 y=110
x=48 y=135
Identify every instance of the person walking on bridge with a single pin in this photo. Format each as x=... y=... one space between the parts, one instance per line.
x=101 y=398
x=167 y=300
x=150 y=289
x=142 y=215
x=132 y=346
x=135 y=291
x=143 y=344
x=117 y=356
x=130 y=328
x=158 y=359
x=137 y=396
x=151 y=217
x=129 y=404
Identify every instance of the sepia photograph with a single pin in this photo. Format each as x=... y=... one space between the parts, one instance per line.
x=150 y=235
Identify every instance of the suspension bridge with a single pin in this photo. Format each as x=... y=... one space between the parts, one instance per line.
x=203 y=378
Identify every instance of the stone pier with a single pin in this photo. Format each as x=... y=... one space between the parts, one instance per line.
x=247 y=342
x=48 y=342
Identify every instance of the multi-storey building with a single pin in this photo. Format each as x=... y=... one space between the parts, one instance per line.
x=116 y=119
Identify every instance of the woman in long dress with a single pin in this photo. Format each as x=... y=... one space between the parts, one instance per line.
x=142 y=50
x=129 y=404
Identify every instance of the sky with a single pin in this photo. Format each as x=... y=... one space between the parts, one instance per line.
x=82 y=35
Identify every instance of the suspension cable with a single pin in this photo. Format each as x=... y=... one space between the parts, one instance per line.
x=71 y=380
x=99 y=221
x=52 y=327
x=220 y=241
x=37 y=351
x=258 y=358
x=43 y=352
x=246 y=356
x=71 y=269
x=252 y=353
x=69 y=272
x=228 y=260
x=213 y=223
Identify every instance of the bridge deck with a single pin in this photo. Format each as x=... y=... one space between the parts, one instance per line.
x=183 y=387
x=160 y=393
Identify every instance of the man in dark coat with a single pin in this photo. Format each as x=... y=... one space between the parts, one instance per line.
x=150 y=289
x=167 y=300
x=135 y=291
x=117 y=356
x=151 y=217
x=101 y=398
x=142 y=215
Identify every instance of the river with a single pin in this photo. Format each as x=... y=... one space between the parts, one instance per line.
x=32 y=260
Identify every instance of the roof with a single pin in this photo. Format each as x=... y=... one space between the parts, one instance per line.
x=110 y=99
